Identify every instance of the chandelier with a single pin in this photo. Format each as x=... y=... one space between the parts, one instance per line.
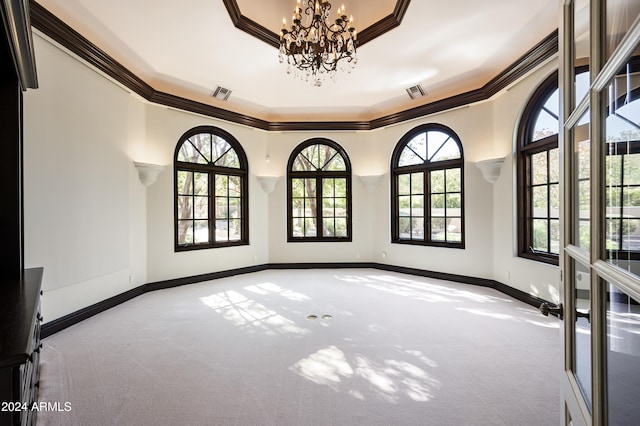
x=316 y=46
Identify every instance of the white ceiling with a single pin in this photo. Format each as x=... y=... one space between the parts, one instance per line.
x=189 y=47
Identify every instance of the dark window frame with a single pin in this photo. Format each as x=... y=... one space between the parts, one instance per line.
x=213 y=170
x=426 y=168
x=525 y=149
x=318 y=175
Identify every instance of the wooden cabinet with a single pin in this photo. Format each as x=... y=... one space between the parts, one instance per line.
x=20 y=347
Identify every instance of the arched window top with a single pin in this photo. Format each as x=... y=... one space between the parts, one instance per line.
x=319 y=155
x=429 y=143
x=212 y=146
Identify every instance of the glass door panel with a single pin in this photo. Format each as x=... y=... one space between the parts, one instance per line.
x=582 y=330
x=623 y=357
x=582 y=197
x=622 y=170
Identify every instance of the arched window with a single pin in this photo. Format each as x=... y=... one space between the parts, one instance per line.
x=319 y=192
x=427 y=188
x=539 y=175
x=211 y=190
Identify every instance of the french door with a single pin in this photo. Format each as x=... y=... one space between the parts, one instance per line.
x=600 y=263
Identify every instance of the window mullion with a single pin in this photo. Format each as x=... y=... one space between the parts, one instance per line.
x=427 y=217
x=212 y=207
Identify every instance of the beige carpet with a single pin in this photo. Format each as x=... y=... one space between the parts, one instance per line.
x=385 y=349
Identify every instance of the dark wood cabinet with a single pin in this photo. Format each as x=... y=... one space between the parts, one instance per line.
x=20 y=347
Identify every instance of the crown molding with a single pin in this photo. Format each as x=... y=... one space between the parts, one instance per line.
x=61 y=33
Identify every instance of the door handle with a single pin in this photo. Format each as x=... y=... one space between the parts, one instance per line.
x=557 y=310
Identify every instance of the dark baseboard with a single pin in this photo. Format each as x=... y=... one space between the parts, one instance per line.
x=61 y=323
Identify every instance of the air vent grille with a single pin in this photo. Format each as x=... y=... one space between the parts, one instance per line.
x=221 y=93
x=416 y=91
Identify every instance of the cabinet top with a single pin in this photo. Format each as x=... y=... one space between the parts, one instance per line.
x=18 y=308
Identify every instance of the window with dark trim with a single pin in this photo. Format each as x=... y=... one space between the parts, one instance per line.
x=538 y=170
x=319 y=192
x=211 y=190
x=427 y=188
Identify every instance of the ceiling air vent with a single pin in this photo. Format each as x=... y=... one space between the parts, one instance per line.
x=416 y=91
x=221 y=93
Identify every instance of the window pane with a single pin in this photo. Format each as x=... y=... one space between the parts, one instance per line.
x=297 y=187
x=454 y=205
x=302 y=163
x=435 y=142
x=437 y=205
x=185 y=183
x=453 y=180
x=201 y=208
x=235 y=229
x=336 y=164
x=201 y=232
x=327 y=187
x=546 y=123
x=189 y=154
x=298 y=227
x=540 y=235
x=222 y=185
x=201 y=181
x=418 y=145
x=185 y=232
x=438 y=229
x=623 y=357
x=448 y=151
x=539 y=168
x=309 y=187
x=222 y=208
x=404 y=225
x=417 y=205
x=328 y=227
x=230 y=159
x=554 y=200
x=328 y=207
x=341 y=227
x=185 y=207
x=540 y=201
x=408 y=157
x=404 y=202
x=341 y=207
x=417 y=228
x=340 y=187
x=417 y=183
x=235 y=208
x=202 y=143
x=582 y=145
x=437 y=181
x=554 y=165
x=404 y=184
x=222 y=230
x=454 y=230
x=632 y=168
x=234 y=186
x=297 y=205
x=310 y=229
x=554 y=226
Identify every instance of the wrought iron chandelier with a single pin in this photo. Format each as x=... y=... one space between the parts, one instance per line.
x=316 y=46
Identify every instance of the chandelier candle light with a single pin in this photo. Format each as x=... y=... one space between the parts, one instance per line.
x=318 y=47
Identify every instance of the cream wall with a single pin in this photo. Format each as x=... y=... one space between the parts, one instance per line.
x=98 y=231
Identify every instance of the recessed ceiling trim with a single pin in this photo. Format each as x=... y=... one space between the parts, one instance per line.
x=60 y=32
x=249 y=26
x=365 y=35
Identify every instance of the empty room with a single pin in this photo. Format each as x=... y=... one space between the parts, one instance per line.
x=227 y=212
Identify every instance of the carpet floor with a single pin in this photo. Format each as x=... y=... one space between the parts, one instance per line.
x=307 y=347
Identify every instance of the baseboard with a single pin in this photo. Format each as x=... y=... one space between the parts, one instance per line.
x=66 y=321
